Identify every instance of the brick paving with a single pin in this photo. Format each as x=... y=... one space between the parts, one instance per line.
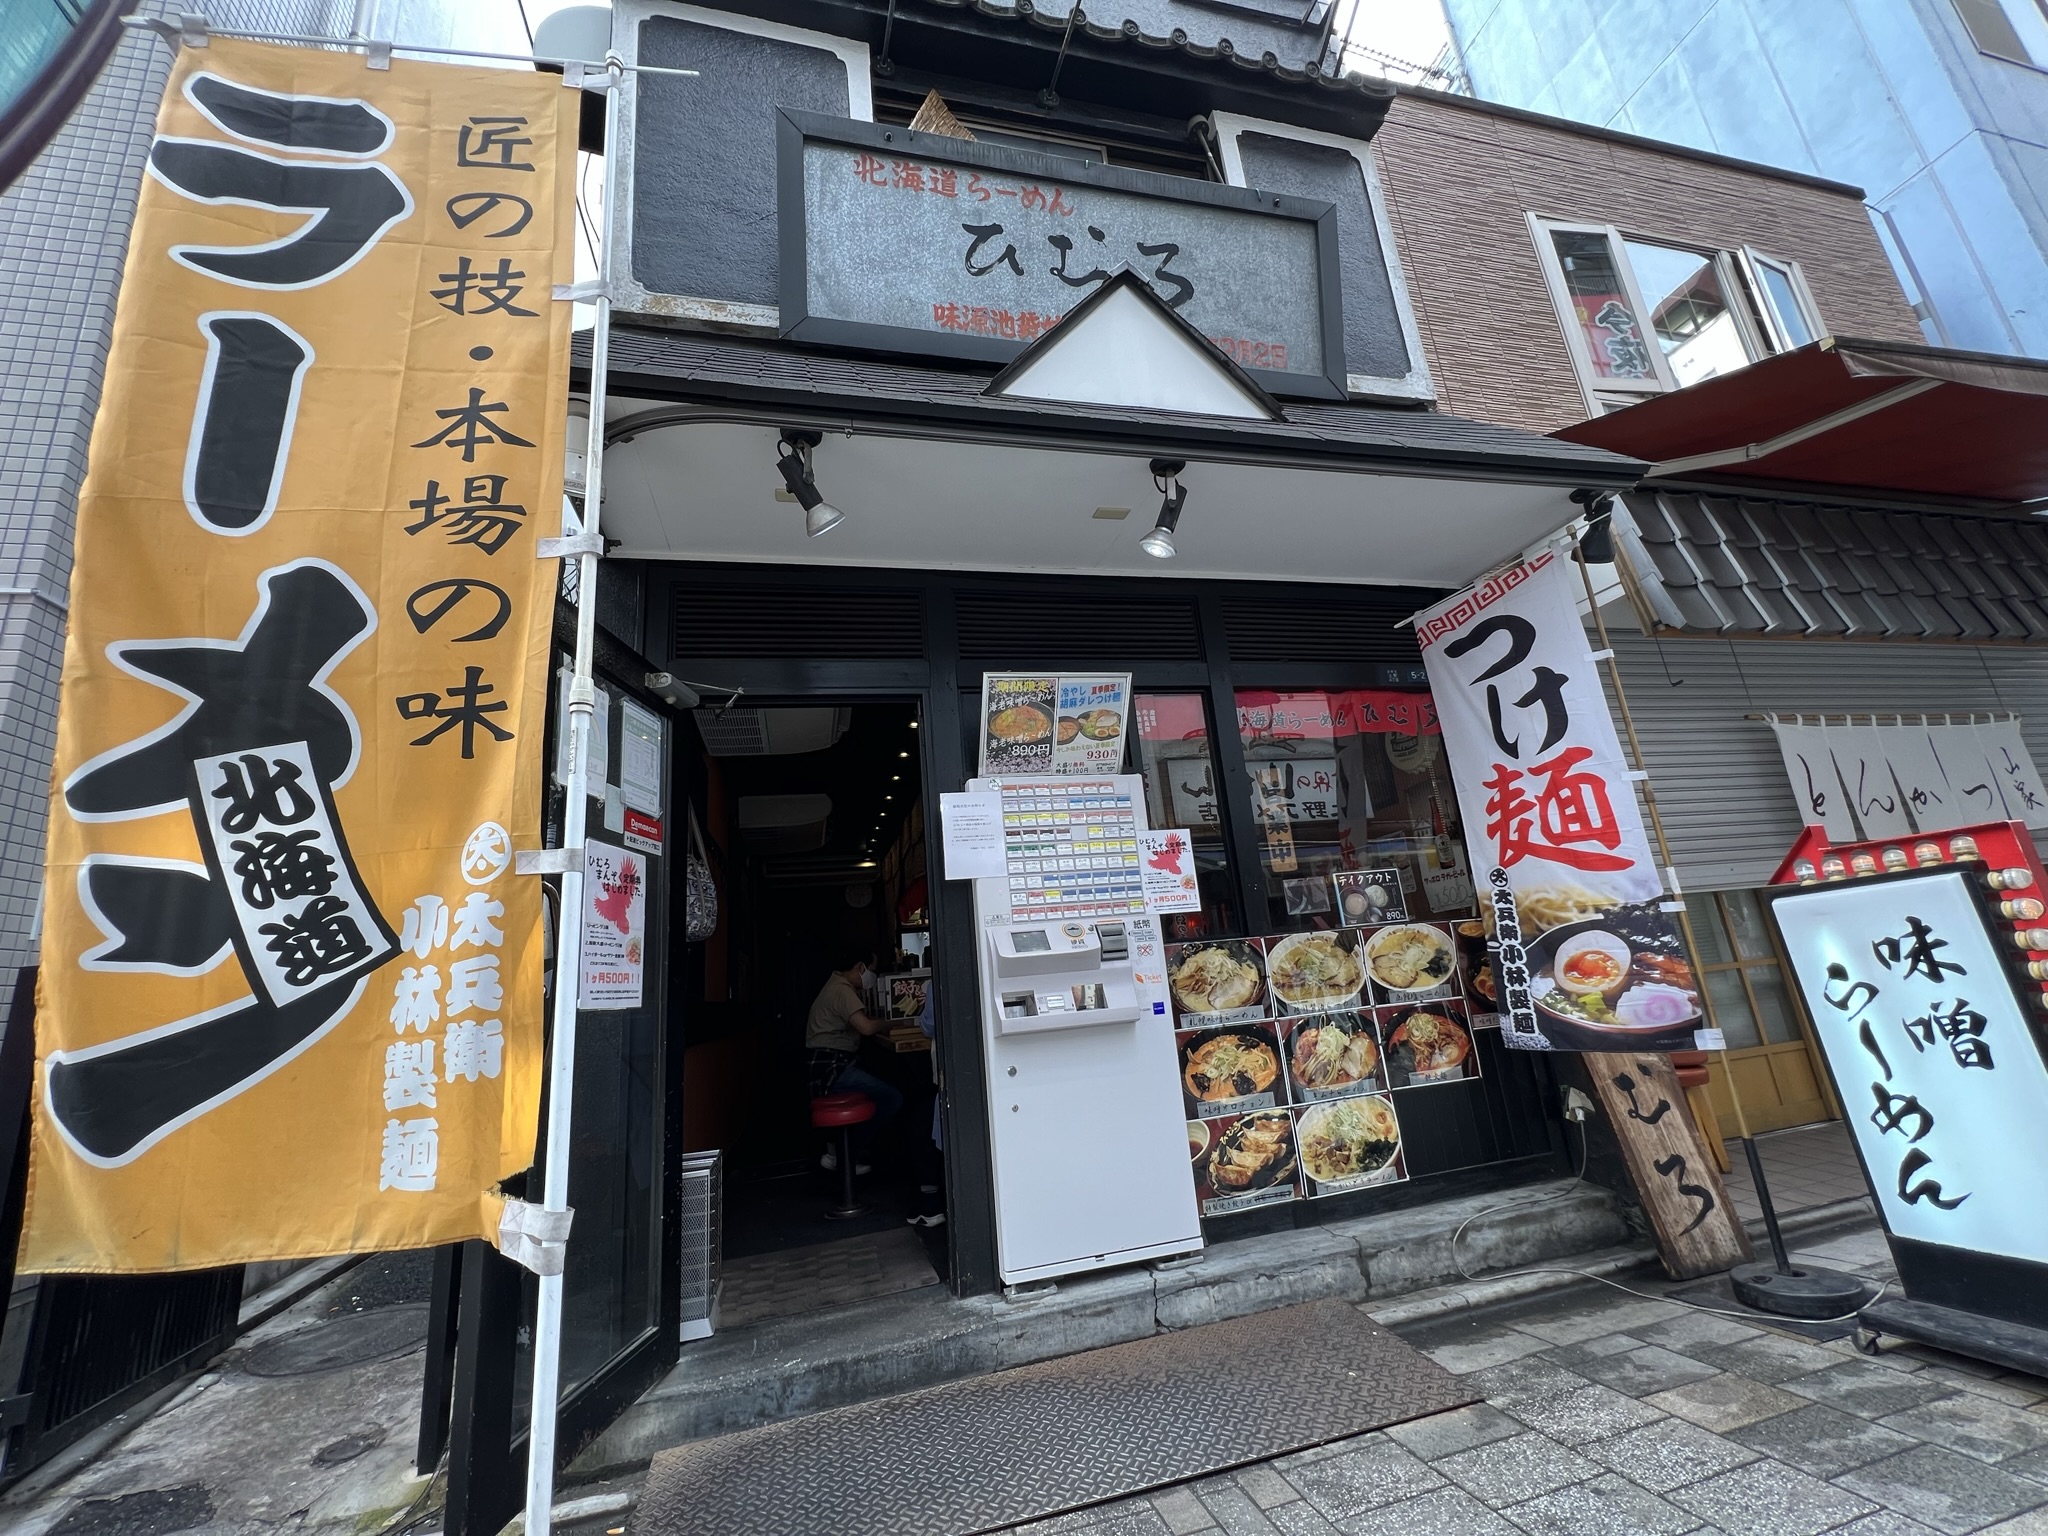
x=1609 y=1414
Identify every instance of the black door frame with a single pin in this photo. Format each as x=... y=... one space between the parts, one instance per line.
x=479 y=1302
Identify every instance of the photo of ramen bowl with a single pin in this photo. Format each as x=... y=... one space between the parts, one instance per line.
x=1314 y=972
x=1618 y=977
x=1020 y=723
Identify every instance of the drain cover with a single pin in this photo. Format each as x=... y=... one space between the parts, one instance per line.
x=156 y=1512
x=353 y=1339
x=348 y=1448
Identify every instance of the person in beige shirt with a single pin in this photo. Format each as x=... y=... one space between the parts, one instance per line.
x=838 y=1022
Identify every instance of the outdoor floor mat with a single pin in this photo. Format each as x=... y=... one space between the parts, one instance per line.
x=997 y=1450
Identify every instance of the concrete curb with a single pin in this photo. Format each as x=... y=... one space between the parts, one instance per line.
x=1498 y=1290
x=790 y=1366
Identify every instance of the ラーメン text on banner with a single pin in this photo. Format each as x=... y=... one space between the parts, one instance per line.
x=290 y=993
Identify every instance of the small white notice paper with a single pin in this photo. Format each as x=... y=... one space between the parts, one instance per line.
x=972 y=825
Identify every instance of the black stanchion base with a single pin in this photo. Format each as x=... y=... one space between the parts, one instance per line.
x=1807 y=1291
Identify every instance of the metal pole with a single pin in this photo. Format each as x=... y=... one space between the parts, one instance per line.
x=1635 y=748
x=547 y=1333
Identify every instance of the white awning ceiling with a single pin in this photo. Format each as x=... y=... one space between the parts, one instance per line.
x=706 y=490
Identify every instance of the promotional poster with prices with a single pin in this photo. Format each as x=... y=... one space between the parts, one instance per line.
x=1292 y=1050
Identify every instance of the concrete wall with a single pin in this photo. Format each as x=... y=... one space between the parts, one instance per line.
x=1460 y=177
x=1949 y=144
x=63 y=237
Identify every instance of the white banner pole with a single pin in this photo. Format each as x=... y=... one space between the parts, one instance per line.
x=547 y=1333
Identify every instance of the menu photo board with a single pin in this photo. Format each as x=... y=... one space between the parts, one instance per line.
x=1038 y=724
x=1295 y=1050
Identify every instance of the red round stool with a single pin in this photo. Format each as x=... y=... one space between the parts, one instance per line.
x=842 y=1112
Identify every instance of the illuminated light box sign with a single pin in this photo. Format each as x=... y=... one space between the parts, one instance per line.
x=912 y=242
x=1940 y=1074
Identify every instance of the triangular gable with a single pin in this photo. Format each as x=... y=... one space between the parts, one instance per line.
x=1123 y=346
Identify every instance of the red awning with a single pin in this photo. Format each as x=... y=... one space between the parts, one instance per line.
x=1873 y=415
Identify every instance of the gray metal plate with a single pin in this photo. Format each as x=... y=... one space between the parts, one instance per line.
x=993 y=1451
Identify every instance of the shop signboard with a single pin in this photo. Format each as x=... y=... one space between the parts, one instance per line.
x=902 y=241
x=1908 y=980
x=1037 y=724
x=290 y=993
x=1586 y=957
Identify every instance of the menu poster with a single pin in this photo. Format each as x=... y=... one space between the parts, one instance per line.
x=1370 y=896
x=1316 y=972
x=1090 y=734
x=1428 y=1043
x=1018 y=716
x=1411 y=962
x=1166 y=871
x=614 y=927
x=1348 y=1144
x=1035 y=724
x=903 y=995
x=1230 y=1071
x=1220 y=982
x=1242 y=1161
x=1476 y=974
x=1332 y=1056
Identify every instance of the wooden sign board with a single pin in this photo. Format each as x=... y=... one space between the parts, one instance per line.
x=1694 y=1221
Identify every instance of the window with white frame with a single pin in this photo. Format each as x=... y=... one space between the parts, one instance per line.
x=1643 y=317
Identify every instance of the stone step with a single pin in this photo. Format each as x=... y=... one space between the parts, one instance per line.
x=784 y=1367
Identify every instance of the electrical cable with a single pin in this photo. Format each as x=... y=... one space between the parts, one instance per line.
x=1585 y=1151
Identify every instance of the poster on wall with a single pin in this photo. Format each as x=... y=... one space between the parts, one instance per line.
x=1036 y=724
x=1586 y=959
x=1296 y=1055
x=1907 y=988
x=1166 y=871
x=614 y=927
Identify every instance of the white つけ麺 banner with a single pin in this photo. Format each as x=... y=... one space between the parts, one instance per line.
x=1587 y=959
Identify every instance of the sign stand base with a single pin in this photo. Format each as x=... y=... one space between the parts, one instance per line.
x=1993 y=1340
x=1796 y=1291
x=1779 y=1287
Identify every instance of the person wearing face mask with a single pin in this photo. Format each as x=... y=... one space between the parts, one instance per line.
x=839 y=1021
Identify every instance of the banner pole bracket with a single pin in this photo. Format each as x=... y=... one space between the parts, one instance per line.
x=570 y=547
x=377 y=54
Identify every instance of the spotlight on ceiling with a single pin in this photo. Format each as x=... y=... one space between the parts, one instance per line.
x=798 y=473
x=1166 y=476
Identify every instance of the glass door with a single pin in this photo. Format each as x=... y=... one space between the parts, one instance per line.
x=1775 y=1070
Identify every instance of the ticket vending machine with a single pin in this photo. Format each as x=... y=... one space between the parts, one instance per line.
x=1087 y=1132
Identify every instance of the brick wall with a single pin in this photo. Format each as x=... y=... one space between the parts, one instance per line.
x=1459 y=179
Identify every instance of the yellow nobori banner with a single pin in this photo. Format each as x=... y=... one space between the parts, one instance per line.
x=290 y=996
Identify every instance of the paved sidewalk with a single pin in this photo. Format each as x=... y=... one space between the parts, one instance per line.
x=1810 y=1166
x=1609 y=1414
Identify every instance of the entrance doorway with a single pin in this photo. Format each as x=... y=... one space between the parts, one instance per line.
x=815 y=811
